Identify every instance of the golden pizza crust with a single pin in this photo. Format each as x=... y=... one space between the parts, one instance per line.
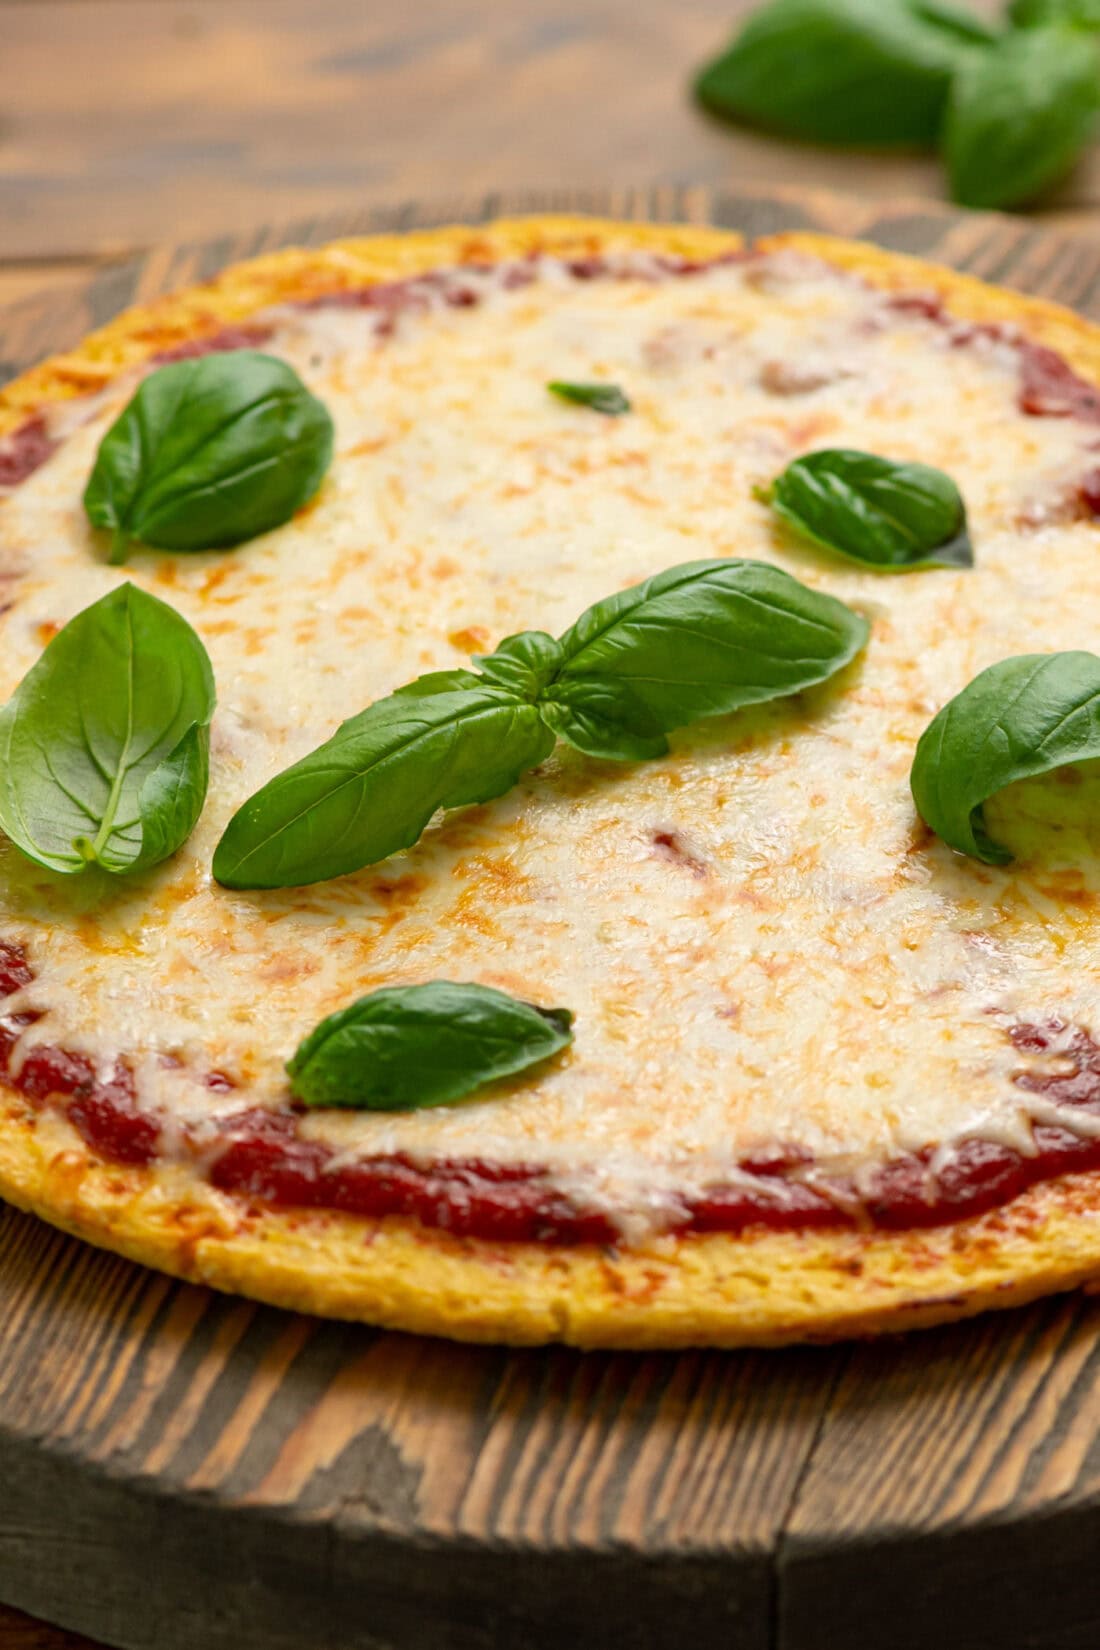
x=764 y=1288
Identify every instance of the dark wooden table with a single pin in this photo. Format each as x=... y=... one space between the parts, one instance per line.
x=125 y=123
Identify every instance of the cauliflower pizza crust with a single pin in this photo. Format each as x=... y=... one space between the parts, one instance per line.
x=829 y=1078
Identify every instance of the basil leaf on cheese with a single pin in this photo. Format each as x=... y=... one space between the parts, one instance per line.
x=1022 y=717
x=372 y=788
x=603 y=718
x=524 y=664
x=104 y=745
x=602 y=398
x=844 y=71
x=699 y=640
x=209 y=452
x=1020 y=115
x=423 y=1045
x=887 y=515
x=439 y=681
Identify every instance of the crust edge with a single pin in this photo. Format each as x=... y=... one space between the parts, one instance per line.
x=769 y=1289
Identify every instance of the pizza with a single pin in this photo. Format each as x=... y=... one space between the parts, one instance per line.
x=827 y=1075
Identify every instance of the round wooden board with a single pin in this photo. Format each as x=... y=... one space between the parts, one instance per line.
x=188 y=1472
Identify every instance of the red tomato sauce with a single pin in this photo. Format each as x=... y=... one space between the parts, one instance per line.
x=262 y=1158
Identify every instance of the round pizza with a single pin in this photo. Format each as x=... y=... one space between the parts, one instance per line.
x=549 y=787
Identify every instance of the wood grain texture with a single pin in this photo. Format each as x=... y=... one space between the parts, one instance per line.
x=129 y=122
x=985 y=1493
x=18 y=1631
x=32 y=277
x=195 y=1473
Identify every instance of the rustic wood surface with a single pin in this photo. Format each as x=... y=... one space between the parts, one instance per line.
x=126 y=123
x=188 y=1472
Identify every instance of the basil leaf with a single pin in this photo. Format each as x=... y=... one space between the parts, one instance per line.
x=439 y=681
x=104 y=744
x=602 y=398
x=372 y=788
x=886 y=515
x=524 y=663
x=423 y=1045
x=700 y=640
x=843 y=71
x=695 y=641
x=1020 y=115
x=1030 y=14
x=171 y=799
x=603 y=718
x=209 y=452
x=1021 y=717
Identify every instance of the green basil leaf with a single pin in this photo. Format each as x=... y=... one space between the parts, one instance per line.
x=372 y=788
x=1021 y=717
x=104 y=744
x=1031 y=14
x=843 y=71
x=703 y=639
x=423 y=1045
x=171 y=799
x=602 y=398
x=209 y=452
x=891 y=516
x=603 y=718
x=524 y=663
x=1019 y=116
x=439 y=681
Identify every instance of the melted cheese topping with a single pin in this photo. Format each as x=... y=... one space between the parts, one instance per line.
x=759 y=944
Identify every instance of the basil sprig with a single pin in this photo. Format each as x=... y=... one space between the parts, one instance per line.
x=843 y=71
x=1020 y=114
x=409 y=1046
x=602 y=398
x=104 y=746
x=1022 y=717
x=698 y=640
x=885 y=515
x=209 y=452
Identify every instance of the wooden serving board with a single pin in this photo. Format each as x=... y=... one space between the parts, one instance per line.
x=188 y=1472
